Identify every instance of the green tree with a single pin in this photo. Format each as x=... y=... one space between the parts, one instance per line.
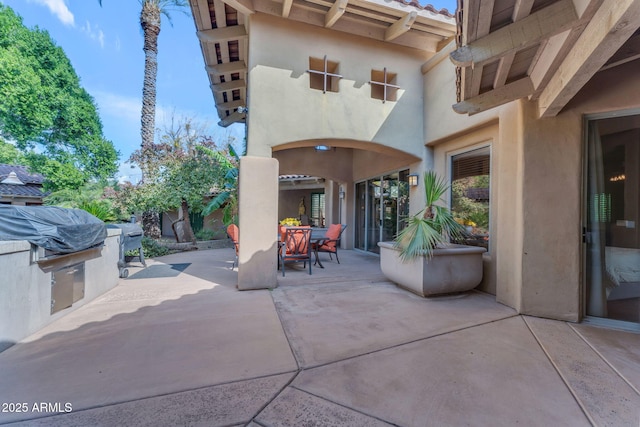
x=90 y=197
x=43 y=108
x=182 y=169
x=9 y=154
x=227 y=197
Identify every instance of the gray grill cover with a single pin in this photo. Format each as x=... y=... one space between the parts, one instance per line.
x=57 y=229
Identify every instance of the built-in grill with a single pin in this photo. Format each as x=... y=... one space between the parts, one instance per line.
x=62 y=240
x=130 y=240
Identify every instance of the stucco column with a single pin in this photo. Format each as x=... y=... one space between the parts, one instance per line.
x=258 y=211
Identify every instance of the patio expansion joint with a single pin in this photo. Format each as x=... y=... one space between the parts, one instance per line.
x=565 y=380
x=343 y=406
x=408 y=342
x=142 y=399
x=604 y=359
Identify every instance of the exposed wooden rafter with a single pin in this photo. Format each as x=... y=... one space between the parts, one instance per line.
x=227 y=68
x=401 y=26
x=223 y=34
x=231 y=119
x=336 y=11
x=527 y=32
x=242 y=6
x=286 y=8
x=515 y=90
x=607 y=31
x=228 y=86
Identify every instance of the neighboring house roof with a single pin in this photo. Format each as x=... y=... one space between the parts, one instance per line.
x=22 y=172
x=17 y=181
x=223 y=32
x=546 y=50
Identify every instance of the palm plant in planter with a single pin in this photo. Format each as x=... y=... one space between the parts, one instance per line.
x=421 y=259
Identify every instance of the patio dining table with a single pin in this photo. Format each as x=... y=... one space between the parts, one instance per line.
x=317 y=236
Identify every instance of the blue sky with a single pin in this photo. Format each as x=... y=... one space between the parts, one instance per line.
x=104 y=45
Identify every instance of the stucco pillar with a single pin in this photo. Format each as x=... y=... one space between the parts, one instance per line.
x=258 y=211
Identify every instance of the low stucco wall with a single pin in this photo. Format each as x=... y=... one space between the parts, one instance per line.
x=25 y=290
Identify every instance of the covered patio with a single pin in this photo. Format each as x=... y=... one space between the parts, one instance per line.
x=178 y=344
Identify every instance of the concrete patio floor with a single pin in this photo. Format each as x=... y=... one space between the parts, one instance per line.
x=342 y=347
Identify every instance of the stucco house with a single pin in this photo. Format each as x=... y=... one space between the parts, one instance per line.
x=539 y=98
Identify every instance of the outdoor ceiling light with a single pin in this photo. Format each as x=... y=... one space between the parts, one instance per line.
x=412 y=179
x=322 y=147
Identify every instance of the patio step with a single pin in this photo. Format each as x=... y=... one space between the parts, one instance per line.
x=604 y=395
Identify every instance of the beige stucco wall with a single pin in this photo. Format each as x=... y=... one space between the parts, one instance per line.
x=283 y=108
x=537 y=174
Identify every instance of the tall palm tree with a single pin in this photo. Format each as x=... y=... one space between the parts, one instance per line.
x=150 y=20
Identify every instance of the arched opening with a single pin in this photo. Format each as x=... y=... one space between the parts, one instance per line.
x=357 y=183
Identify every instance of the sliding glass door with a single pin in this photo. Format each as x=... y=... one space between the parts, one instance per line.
x=382 y=204
x=612 y=220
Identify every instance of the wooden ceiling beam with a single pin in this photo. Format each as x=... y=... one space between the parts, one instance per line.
x=231 y=105
x=521 y=9
x=507 y=93
x=224 y=34
x=203 y=14
x=401 y=26
x=221 y=13
x=229 y=86
x=611 y=26
x=336 y=11
x=242 y=6
x=227 y=68
x=232 y=118
x=527 y=32
x=286 y=8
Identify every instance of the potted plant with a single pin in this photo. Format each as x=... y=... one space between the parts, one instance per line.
x=421 y=259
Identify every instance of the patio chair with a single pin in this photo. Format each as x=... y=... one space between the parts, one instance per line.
x=295 y=246
x=234 y=234
x=330 y=242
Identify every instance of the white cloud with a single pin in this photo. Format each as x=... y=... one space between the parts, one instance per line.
x=128 y=173
x=59 y=9
x=95 y=34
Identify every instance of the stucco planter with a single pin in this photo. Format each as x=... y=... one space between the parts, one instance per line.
x=456 y=268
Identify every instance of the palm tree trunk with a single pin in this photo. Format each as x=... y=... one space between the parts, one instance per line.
x=150 y=23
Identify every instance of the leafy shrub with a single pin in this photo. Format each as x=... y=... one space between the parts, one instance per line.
x=205 y=234
x=152 y=248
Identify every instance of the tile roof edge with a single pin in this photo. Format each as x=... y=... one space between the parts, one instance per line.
x=428 y=7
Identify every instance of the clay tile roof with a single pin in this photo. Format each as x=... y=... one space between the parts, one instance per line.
x=428 y=7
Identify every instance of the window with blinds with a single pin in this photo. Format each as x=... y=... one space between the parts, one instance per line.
x=317 y=209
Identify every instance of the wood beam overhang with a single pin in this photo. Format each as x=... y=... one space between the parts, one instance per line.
x=527 y=32
x=218 y=35
x=231 y=119
x=227 y=68
x=509 y=92
x=612 y=25
x=228 y=86
x=401 y=26
x=231 y=105
x=438 y=57
x=286 y=8
x=336 y=11
x=242 y=6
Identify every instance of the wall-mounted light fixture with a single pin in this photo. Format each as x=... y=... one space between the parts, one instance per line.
x=412 y=179
x=243 y=110
x=341 y=194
